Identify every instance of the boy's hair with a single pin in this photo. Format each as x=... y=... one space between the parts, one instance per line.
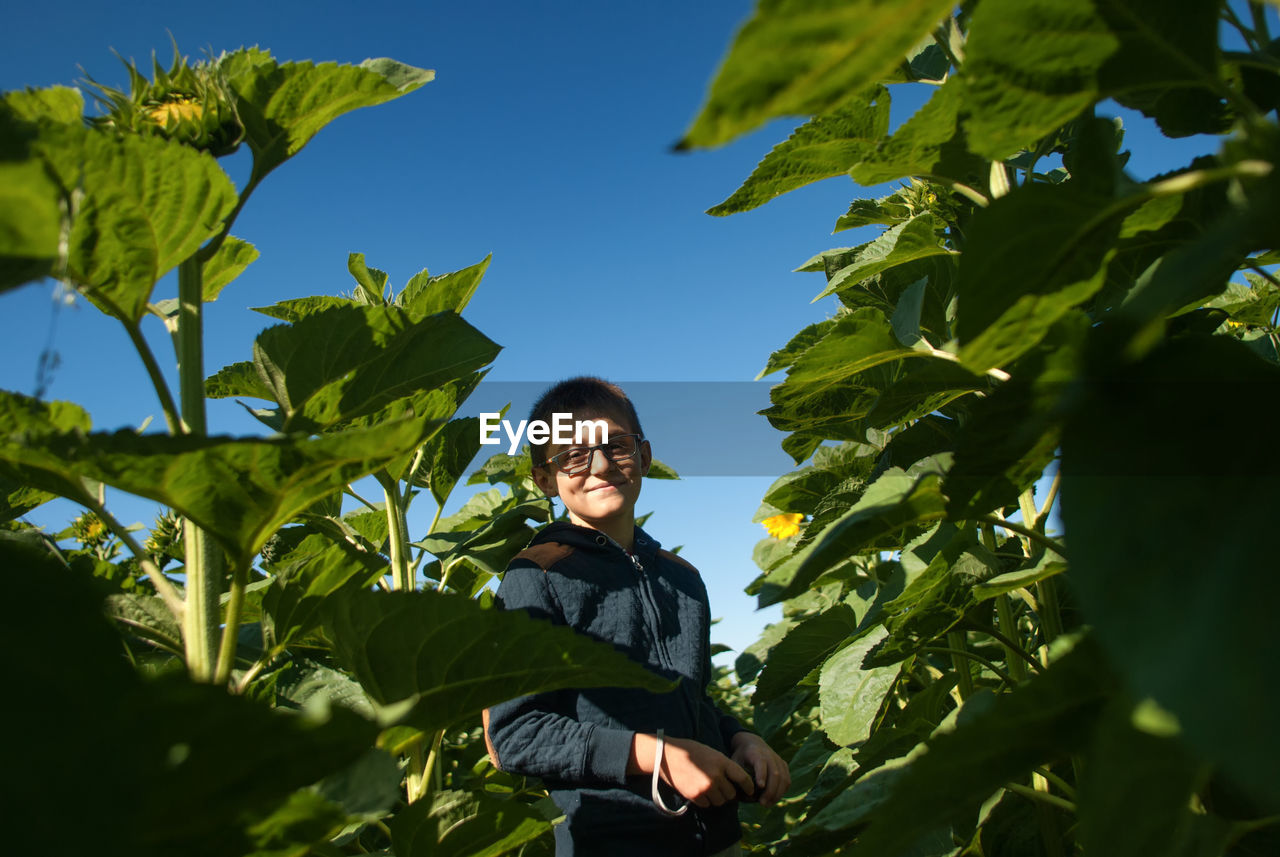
x=585 y=395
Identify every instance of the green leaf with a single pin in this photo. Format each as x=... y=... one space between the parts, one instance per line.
x=896 y=502
x=148 y=617
x=347 y=362
x=240 y=490
x=851 y=697
x=16 y=499
x=1031 y=256
x=1000 y=741
x=798 y=345
x=803 y=648
x=446 y=457
x=282 y=106
x=372 y=282
x=465 y=824
x=30 y=222
x=148 y=205
x=297 y=309
x=306 y=576
x=169 y=743
x=1032 y=65
x=913 y=239
x=1185 y=585
x=55 y=103
x=1011 y=435
x=1047 y=566
x=427 y=295
x=1136 y=789
x=441 y=658
x=238 y=379
x=930 y=143
x=826 y=146
x=804 y=58
x=226 y=264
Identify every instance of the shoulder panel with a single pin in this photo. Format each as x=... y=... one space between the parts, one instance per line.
x=675 y=557
x=546 y=554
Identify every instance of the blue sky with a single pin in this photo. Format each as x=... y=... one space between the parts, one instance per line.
x=544 y=140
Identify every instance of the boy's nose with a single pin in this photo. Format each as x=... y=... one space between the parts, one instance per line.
x=600 y=463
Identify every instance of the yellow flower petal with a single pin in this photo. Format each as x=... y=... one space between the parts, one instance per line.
x=783 y=526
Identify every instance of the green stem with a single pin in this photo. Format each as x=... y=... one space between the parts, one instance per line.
x=164 y=587
x=1024 y=531
x=1231 y=18
x=956 y=641
x=1027 y=505
x=1050 y=615
x=946 y=650
x=1261 y=29
x=1042 y=797
x=231 y=631
x=398 y=538
x=1008 y=624
x=1058 y=781
x=171 y=417
x=1009 y=645
x=203 y=557
x=1043 y=515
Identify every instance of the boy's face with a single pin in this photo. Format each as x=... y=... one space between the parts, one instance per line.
x=606 y=492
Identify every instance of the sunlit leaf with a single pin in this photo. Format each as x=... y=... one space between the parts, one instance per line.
x=852 y=696
x=226 y=264
x=465 y=824
x=804 y=58
x=826 y=146
x=426 y=295
x=440 y=658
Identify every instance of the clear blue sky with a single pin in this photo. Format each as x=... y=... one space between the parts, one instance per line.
x=544 y=140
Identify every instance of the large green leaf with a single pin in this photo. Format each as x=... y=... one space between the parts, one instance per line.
x=184 y=779
x=426 y=295
x=306 y=576
x=851 y=697
x=240 y=490
x=930 y=143
x=1030 y=257
x=896 y=502
x=465 y=824
x=30 y=222
x=446 y=456
x=148 y=204
x=803 y=57
x=1136 y=789
x=1047 y=718
x=346 y=362
x=905 y=242
x=436 y=659
x=230 y=260
x=1032 y=65
x=1184 y=585
x=826 y=146
x=282 y=106
x=804 y=647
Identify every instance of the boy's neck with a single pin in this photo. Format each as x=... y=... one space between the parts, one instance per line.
x=621 y=530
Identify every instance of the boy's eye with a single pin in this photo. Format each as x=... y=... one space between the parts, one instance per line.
x=576 y=455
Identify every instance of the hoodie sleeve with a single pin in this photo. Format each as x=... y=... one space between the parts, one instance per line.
x=540 y=735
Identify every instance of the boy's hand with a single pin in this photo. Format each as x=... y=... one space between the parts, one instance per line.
x=705 y=776
x=773 y=777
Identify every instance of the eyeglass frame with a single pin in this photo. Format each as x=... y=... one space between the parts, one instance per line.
x=591 y=453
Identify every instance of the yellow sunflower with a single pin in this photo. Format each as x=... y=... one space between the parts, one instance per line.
x=783 y=526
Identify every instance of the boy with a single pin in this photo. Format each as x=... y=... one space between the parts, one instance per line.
x=597 y=749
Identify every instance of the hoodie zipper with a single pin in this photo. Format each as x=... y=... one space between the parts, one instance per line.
x=648 y=604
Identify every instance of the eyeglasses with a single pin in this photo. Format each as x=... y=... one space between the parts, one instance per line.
x=571 y=462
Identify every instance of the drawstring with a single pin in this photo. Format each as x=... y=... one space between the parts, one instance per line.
x=657 y=767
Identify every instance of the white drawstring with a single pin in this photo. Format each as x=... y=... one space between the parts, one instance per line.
x=657 y=767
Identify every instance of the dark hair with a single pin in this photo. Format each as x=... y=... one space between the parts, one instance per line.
x=586 y=395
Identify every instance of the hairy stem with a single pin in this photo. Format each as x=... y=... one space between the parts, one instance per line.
x=171 y=416
x=1024 y=531
x=231 y=631
x=398 y=538
x=956 y=646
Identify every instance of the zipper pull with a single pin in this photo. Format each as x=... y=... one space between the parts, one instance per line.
x=635 y=560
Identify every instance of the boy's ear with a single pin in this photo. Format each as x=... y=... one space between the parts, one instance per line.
x=646 y=457
x=545 y=479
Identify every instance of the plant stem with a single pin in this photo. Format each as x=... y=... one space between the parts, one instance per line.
x=1042 y=797
x=1043 y=515
x=164 y=587
x=1008 y=625
x=945 y=650
x=1262 y=31
x=399 y=540
x=230 y=633
x=171 y=417
x=1027 y=505
x=203 y=557
x=1024 y=531
x=964 y=681
x=1058 y=781
x=1009 y=645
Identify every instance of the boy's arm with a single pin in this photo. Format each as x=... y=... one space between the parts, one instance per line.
x=540 y=735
